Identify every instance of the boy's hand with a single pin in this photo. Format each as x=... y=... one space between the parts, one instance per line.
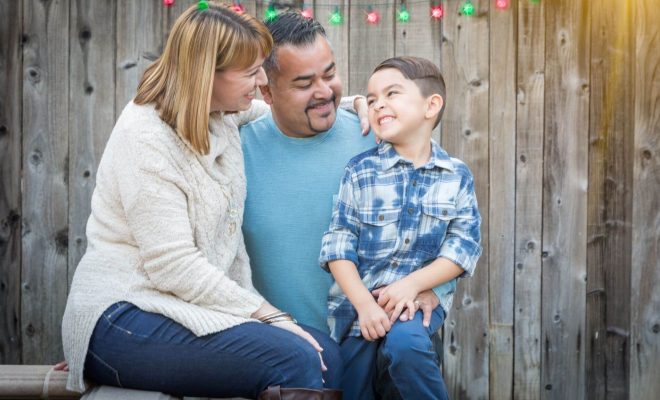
x=397 y=296
x=374 y=322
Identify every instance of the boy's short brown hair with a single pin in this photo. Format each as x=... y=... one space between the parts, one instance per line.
x=424 y=73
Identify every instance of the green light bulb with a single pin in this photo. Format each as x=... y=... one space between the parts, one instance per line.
x=270 y=14
x=403 y=15
x=467 y=8
x=335 y=18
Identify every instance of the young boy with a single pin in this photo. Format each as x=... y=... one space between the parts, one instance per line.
x=406 y=221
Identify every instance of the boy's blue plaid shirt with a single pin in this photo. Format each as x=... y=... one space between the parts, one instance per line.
x=391 y=219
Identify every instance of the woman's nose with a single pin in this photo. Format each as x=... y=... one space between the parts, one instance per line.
x=262 y=78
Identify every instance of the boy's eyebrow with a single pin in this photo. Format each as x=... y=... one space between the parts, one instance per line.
x=310 y=76
x=394 y=85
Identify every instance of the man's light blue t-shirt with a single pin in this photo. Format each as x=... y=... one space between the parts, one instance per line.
x=290 y=187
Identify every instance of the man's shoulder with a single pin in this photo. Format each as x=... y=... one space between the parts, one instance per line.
x=367 y=160
x=258 y=125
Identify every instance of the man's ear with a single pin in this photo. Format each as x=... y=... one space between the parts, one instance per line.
x=265 y=92
x=434 y=104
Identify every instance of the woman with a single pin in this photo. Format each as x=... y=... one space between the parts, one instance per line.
x=162 y=300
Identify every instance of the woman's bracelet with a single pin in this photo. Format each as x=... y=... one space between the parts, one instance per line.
x=269 y=315
x=280 y=316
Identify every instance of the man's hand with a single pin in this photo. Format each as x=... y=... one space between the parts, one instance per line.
x=374 y=322
x=426 y=301
x=397 y=296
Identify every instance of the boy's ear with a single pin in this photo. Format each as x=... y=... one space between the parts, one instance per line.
x=265 y=92
x=434 y=103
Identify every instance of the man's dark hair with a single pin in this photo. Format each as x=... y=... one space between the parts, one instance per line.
x=290 y=28
x=425 y=74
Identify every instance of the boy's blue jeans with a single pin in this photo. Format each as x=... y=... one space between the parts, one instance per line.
x=408 y=353
x=141 y=350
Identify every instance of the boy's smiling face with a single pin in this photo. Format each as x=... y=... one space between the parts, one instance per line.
x=397 y=109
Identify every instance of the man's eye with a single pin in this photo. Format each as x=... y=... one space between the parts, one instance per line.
x=329 y=77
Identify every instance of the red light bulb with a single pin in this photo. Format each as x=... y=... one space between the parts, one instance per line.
x=373 y=17
x=502 y=4
x=307 y=13
x=238 y=8
x=437 y=12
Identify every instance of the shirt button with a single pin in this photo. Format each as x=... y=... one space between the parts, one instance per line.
x=395 y=264
x=444 y=212
x=406 y=241
x=410 y=210
x=414 y=182
x=381 y=217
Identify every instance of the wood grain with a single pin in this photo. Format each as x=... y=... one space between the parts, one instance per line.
x=465 y=134
x=645 y=278
x=565 y=181
x=529 y=200
x=11 y=71
x=45 y=173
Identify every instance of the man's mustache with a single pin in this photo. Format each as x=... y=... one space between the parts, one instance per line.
x=320 y=102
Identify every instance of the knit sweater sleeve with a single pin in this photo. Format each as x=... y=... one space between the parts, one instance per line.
x=256 y=110
x=156 y=208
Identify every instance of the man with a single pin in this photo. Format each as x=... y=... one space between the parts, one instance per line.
x=294 y=159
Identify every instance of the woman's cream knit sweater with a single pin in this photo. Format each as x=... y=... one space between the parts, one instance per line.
x=164 y=232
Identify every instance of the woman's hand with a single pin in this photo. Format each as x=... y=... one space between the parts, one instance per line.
x=294 y=328
x=374 y=322
x=61 y=366
x=362 y=110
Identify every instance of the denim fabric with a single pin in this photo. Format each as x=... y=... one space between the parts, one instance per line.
x=135 y=349
x=391 y=219
x=406 y=353
x=384 y=388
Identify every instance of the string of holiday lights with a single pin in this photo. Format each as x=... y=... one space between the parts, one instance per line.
x=371 y=11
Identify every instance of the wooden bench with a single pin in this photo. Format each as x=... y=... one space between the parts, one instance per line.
x=34 y=382
x=42 y=382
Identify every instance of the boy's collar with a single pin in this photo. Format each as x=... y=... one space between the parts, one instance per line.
x=439 y=157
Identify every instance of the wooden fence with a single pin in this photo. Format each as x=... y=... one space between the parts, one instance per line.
x=555 y=105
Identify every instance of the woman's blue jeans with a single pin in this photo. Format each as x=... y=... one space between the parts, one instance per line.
x=141 y=350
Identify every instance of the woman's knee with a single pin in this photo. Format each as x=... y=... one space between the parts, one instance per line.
x=331 y=357
x=299 y=364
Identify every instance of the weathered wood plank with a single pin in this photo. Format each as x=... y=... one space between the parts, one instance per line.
x=609 y=200
x=11 y=69
x=45 y=174
x=338 y=35
x=645 y=279
x=529 y=200
x=502 y=218
x=421 y=36
x=369 y=43
x=91 y=85
x=139 y=41
x=565 y=199
x=465 y=55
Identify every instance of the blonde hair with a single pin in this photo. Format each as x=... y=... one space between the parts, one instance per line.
x=180 y=81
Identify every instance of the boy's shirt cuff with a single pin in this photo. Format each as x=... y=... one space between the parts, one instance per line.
x=462 y=252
